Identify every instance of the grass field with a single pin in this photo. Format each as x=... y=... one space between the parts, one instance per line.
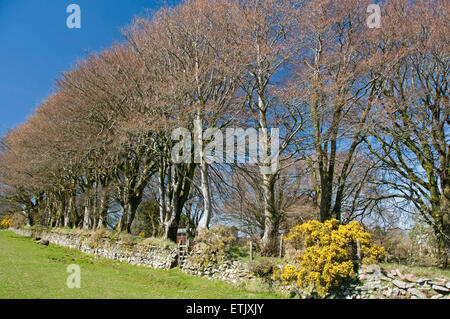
x=29 y=270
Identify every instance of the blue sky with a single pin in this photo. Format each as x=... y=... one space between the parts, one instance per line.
x=36 y=45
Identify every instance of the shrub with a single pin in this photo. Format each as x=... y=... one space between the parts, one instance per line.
x=213 y=246
x=5 y=223
x=95 y=238
x=18 y=220
x=289 y=273
x=272 y=248
x=327 y=254
x=128 y=239
x=261 y=267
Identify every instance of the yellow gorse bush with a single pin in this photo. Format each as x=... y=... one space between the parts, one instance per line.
x=5 y=223
x=289 y=273
x=328 y=253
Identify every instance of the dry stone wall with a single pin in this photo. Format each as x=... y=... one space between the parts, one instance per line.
x=148 y=256
x=375 y=282
x=231 y=271
x=153 y=257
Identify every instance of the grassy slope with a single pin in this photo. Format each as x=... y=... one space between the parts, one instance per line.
x=29 y=270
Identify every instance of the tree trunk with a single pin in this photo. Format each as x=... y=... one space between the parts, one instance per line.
x=271 y=217
x=171 y=224
x=206 y=194
x=133 y=204
x=172 y=229
x=94 y=215
x=50 y=215
x=30 y=218
x=67 y=213
x=120 y=222
x=75 y=218
x=86 y=216
x=59 y=215
x=178 y=188
x=443 y=233
x=325 y=198
x=103 y=211
x=445 y=212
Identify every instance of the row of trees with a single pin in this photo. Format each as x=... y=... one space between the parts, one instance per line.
x=363 y=117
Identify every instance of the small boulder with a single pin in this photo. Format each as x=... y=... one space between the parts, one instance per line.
x=391 y=275
x=402 y=284
x=440 y=288
x=387 y=292
x=437 y=283
x=410 y=278
x=417 y=293
x=374 y=268
x=395 y=292
x=363 y=277
x=43 y=242
x=422 y=280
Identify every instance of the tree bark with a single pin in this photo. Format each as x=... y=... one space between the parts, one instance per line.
x=271 y=216
x=206 y=194
x=133 y=204
x=103 y=211
x=86 y=216
x=67 y=214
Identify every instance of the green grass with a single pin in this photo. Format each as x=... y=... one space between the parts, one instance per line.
x=422 y=271
x=29 y=270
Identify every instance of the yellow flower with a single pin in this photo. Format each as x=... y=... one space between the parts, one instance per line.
x=6 y=223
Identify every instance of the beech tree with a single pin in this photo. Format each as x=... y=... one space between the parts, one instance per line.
x=334 y=78
x=410 y=124
x=194 y=63
x=267 y=42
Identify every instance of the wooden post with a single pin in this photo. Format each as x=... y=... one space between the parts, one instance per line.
x=358 y=250
x=251 y=250
x=281 y=245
